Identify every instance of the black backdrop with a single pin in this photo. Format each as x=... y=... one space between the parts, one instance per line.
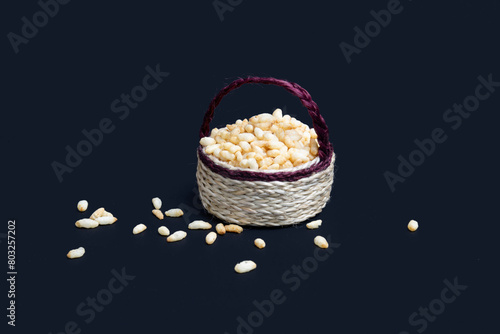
x=377 y=278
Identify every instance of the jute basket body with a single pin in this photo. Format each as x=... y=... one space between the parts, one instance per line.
x=267 y=198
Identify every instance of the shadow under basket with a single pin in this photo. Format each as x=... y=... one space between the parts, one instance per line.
x=266 y=198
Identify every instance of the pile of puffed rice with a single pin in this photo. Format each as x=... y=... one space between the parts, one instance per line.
x=264 y=141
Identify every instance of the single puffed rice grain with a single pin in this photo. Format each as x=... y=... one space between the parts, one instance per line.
x=210 y=238
x=139 y=228
x=234 y=139
x=106 y=214
x=249 y=128
x=245 y=146
x=266 y=118
x=239 y=157
x=76 y=253
x=156 y=203
x=82 y=205
x=107 y=220
x=210 y=149
x=179 y=235
x=278 y=114
x=97 y=213
x=158 y=214
x=258 y=132
x=413 y=225
x=273 y=153
x=86 y=223
x=234 y=149
x=245 y=266
x=162 y=230
x=320 y=242
x=248 y=137
x=314 y=224
x=206 y=141
x=199 y=225
x=220 y=229
x=226 y=155
x=274 y=145
x=233 y=228
x=252 y=163
x=236 y=131
x=174 y=213
x=259 y=243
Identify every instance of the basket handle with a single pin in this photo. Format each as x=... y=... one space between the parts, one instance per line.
x=319 y=124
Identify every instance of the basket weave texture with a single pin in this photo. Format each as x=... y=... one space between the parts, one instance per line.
x=267 y=198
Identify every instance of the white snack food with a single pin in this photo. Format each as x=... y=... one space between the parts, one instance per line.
x=199 y=225
x=259 y=243
x=106 y=214
x=233 y=228
x=106 y=220
x=210 y=238
x=220 y=229
x=207 y=141
x=174 y=213
x=82 y=205
x=76 y=253
x=263 y=142
x=314 y=224
x=179 y=235
x=245 y=266
x=156 y=203
x=158 y=214
x=413 y=225
x=97 y=213
x=139 y=228
x=320 y=242
x=162 y=230
x=86 y=223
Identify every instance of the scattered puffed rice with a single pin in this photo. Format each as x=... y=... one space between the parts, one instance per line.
x=86 y=223
x=157 y=203
x=139 y=228
x=199 y=225
x=320 y=242
x=97 y=213
x=174 y=213
x=158 y=214
x=162 y=230
x=245 y=266
x=76 y=253
x=82 y=205
x=106 y=220
x=179 y=235
x=210 y=238
x=220 y=229
x=233 y=228
x=259 y=243
x=413 y=225
x=314 y=224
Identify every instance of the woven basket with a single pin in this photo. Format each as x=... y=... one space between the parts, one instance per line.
x=266 y=198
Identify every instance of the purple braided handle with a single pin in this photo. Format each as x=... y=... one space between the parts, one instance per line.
x=325 y=151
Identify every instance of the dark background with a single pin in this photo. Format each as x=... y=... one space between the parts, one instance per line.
x=394 y=91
